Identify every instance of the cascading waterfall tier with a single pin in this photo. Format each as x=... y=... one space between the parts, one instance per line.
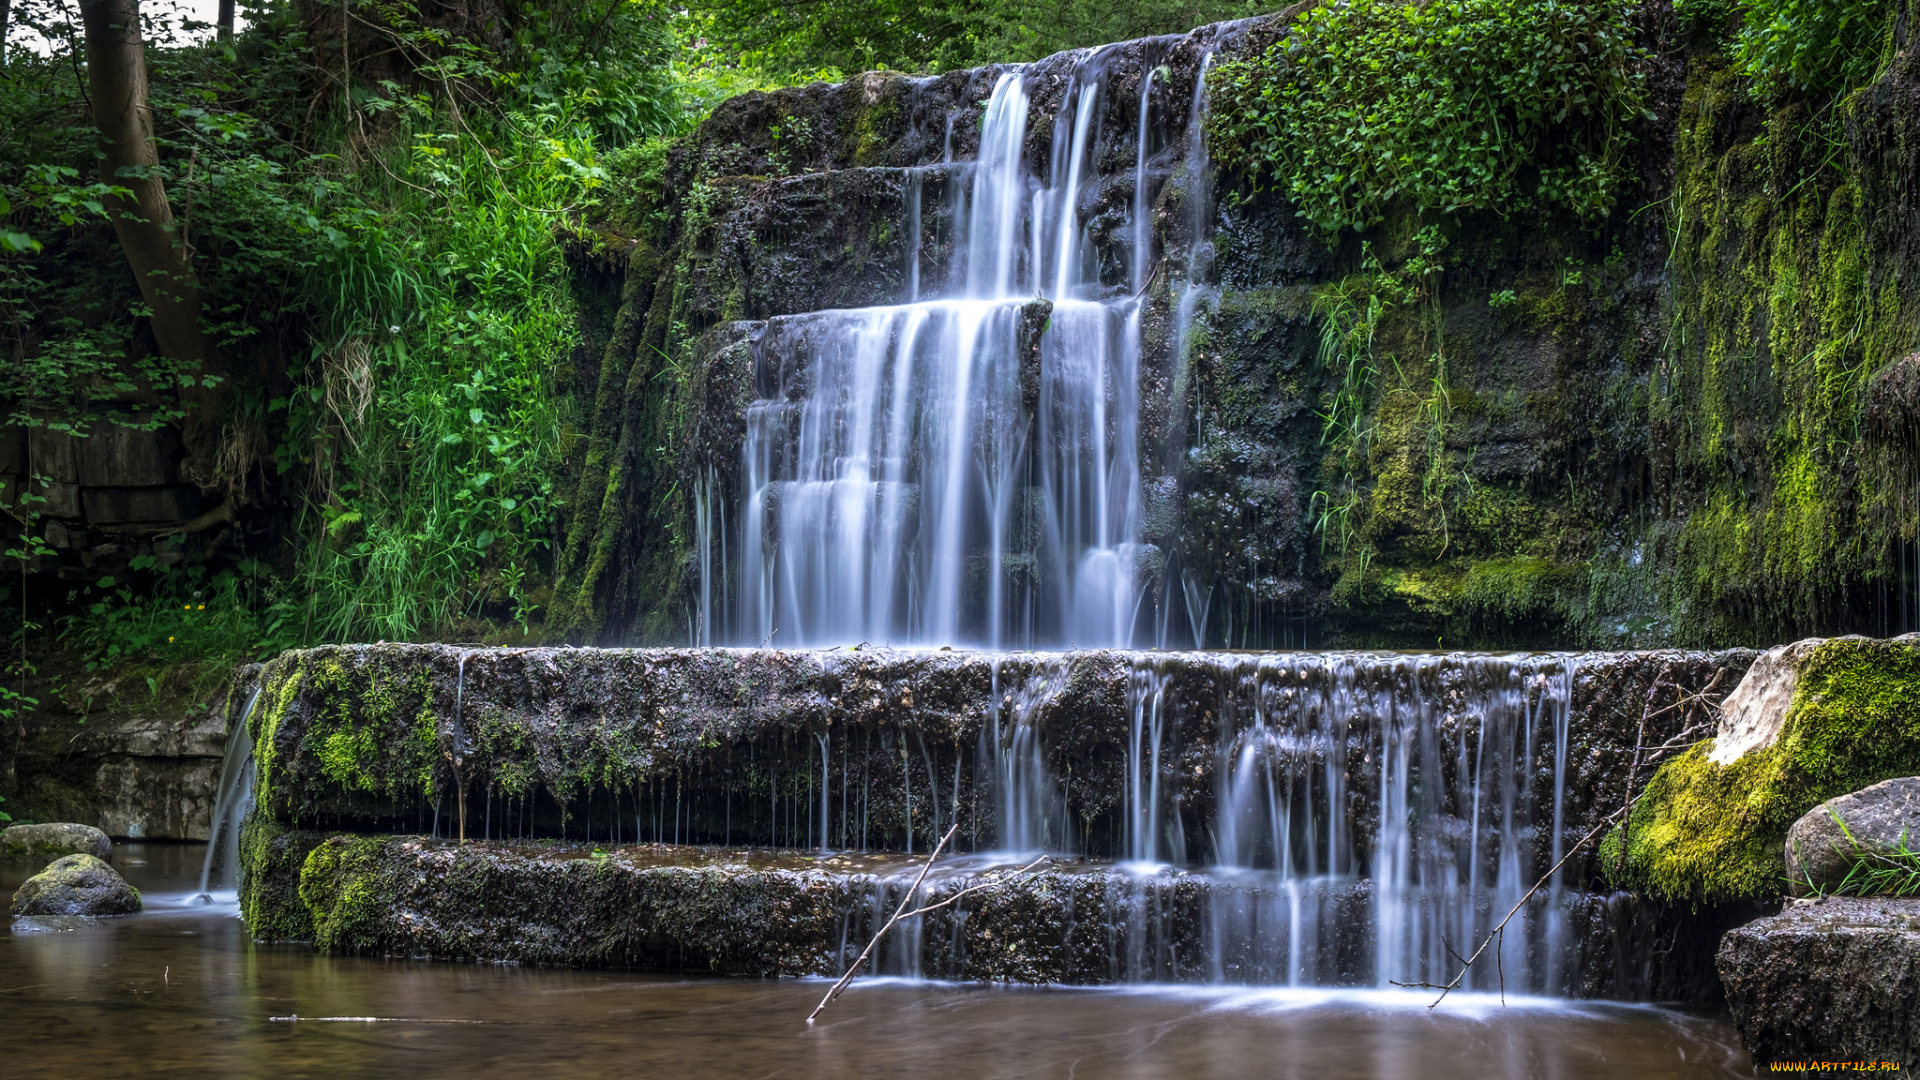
x=1424 y=795
x=1269 y=818
x=964 y=469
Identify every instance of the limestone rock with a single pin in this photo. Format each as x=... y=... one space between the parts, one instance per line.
x=76 y=885
x=53 y=841
x=1833 y=979
x=1878 y=818
x=1751 y=716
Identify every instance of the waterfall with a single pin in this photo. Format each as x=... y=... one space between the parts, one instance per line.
x=1029 y=806
x=1370 y=814
x=233 y=798
x=962 y=468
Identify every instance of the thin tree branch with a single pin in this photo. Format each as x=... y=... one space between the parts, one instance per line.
x=898 y=914
x=1498 y=931
x=1006 y=876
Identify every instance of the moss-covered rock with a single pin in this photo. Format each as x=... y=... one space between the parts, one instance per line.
x=51 y=841
x=733 y=745
x=1705 y=832
x=76 y=885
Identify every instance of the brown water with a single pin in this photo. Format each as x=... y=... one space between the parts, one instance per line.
x=181 y=990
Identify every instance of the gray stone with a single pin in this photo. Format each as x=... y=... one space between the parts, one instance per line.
x=13 y=449
x=76 y=885
x=140 y=505
x=1751 y=716
x=54 y=840
x=1835 y=979
x=52 y=454
x=115 y=455
x=63 y=500
x=1879 y=819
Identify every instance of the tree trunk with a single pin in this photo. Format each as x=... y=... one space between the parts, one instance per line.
x=6 y=23
x=158 y=253
x=224 y=19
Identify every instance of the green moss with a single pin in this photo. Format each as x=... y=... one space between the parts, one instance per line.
x=1706 y=833
x=270 y=860
x=340 y=885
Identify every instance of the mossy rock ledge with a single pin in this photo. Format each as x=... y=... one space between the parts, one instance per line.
x=363 y=749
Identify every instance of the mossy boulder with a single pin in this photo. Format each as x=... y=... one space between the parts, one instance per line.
x=1706 y=832
x=51 y=841
x=76 y=885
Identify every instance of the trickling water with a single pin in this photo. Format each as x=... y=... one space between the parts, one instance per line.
x=233 y=798
x=1369 y=816
x=928 y=472
x=1030 y=809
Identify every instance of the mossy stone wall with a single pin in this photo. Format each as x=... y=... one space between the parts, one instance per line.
x=1657 y=429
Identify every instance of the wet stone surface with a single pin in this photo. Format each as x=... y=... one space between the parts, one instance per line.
x=76 y=885
x=1835 y=979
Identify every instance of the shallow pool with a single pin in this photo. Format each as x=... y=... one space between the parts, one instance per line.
x=180 y=989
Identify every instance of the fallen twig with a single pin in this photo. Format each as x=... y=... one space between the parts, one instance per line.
x=1499 y=931
x=901 y=912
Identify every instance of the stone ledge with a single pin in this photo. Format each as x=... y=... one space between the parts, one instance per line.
x=786 y=913
x=1833 y=979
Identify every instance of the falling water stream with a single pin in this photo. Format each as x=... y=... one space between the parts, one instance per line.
x=922 y=472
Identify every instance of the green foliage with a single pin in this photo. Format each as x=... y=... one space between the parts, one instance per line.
x=178 y=611
x=1446 y=106
x=1813 y=46
x=1706 y=833
x=833 y=38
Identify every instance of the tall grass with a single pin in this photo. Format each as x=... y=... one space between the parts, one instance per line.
x=428 y=404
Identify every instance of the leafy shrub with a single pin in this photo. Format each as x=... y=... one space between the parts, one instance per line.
x=1812 y=45
x=1451 y=105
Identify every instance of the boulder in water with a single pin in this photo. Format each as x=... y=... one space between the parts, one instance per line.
x=54 y=840
x=76 y=885
x=1827 y=980
x=1878 y=820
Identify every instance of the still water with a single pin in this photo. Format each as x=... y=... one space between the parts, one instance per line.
x=180 y=990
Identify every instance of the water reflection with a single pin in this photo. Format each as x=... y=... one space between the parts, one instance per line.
x=179 y=990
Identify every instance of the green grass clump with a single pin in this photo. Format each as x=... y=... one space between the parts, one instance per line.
x=1451 y=105
x=1706 y=833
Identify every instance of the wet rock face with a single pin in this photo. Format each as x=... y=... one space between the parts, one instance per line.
x=732 y=746
x=76 y=885
x=53 y=841
x=1830 y=980
x=758 y=913
x=1879 y=820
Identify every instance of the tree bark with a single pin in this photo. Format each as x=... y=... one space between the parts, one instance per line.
x=162 y=263
x=224 y=19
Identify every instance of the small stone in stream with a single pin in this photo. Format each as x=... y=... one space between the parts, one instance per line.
x=1877 y=819
x=76 y=885
x=53 y=841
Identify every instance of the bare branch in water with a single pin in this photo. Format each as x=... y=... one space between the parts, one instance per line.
x=901 y=912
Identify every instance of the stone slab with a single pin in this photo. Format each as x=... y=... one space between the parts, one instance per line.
x=1830 y=980
x=140 y=505
x=116 y=455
